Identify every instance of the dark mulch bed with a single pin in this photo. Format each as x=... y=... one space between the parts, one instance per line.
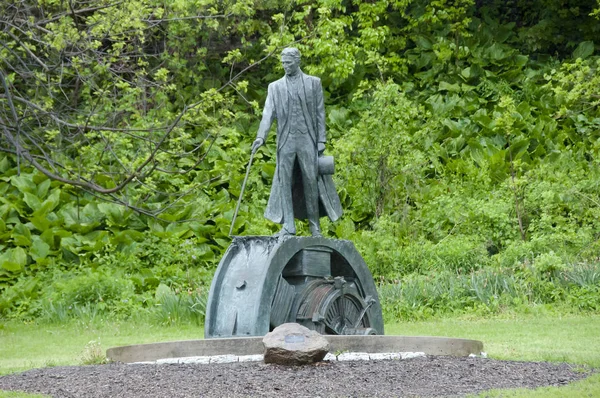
x=422 y=377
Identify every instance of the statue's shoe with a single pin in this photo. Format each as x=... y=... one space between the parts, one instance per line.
x=316 y=232
x=283 y=232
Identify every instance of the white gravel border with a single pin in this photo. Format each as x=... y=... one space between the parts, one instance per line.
x=344 y=356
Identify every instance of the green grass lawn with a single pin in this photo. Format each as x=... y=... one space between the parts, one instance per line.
x=534 y=337
x=26 y=346
x=539 y=337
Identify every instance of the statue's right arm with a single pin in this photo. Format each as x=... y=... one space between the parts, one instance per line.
x=267 y=117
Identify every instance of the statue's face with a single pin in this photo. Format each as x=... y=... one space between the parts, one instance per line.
x=290 y=65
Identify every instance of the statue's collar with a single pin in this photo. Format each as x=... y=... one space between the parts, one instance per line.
x=294 y=78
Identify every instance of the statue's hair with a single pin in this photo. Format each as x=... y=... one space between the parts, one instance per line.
x=291 y=52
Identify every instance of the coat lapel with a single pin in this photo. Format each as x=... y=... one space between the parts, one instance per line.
x=307 y=106
x=283 y=100
x=306 y=93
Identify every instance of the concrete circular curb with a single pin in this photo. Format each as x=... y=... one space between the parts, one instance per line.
x=253 y=346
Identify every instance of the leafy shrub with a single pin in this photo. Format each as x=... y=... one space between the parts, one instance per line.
x=583 y=274
x=174 y=308
x=586 y=298
x=106 y=291
x=389 y=257
x=490 y=290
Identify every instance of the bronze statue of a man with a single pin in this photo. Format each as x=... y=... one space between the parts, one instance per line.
x=298 y=191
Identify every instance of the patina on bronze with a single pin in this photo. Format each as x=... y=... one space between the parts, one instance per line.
x=298 y=190
x=265 y=281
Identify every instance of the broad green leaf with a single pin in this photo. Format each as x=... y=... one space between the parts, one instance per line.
x=14 y=259
x=39 y=249
x=94 y=240
x=498 y=166
x=50 y=203
x=41 y=223
x=78 y=221
x=32 y=201
x=155 y=225
x=71 y=243
x=481 y=118
x=179 y=215
x=21 y=235
x=202 y=228
x=202 y=249
x=477 y=152
x=518 y=148
x=4 y=165
x=29 y=288
x=11 y=266
x=584 y=50
x=116 y=214
x=499 y=52
x=345 y=229
x=69 y=215
x=423 y=42
x=42 y=188
x=90 y=212
x=208 y=256
x=178 y=229
x=268 y=170
x=521 y=60
x=23 y=183
x=222 y=242
x=128 y=236
x=449 y=87
x=425 y=59
x=53 y=235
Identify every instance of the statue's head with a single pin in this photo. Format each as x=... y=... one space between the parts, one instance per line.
x=290 y=59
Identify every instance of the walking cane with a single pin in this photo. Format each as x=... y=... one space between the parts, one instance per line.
x=237 y=207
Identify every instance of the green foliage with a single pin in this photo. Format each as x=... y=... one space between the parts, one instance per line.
x=92 y=289
x=546 y=280
x=465 y=135
x=172 y=308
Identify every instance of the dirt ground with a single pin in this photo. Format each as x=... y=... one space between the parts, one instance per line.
x=418 y=377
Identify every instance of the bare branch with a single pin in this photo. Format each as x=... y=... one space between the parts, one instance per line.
x=75 y=12
x=192 y=17
x=200 y=160
x=85 y=126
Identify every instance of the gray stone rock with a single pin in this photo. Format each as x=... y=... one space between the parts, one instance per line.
x=294 y=344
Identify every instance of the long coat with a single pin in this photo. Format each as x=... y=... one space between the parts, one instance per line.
x=278 y=106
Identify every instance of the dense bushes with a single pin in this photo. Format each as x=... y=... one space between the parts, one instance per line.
x=466 y=136
x=64 y=253
x=547 y=280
